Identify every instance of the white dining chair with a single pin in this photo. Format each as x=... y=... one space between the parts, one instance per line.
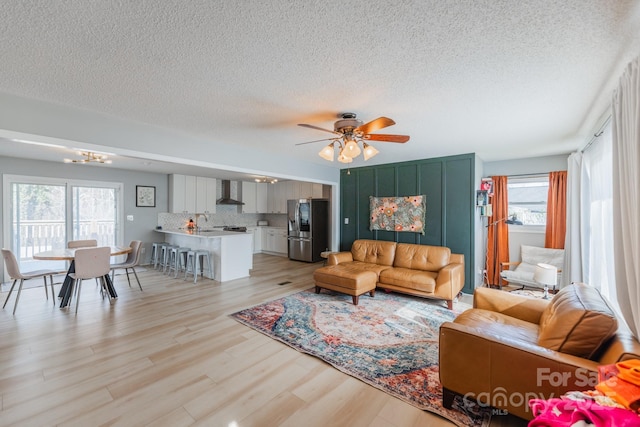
x=132 y=261
x=15 y=274
x=88 y=243
x=91 y=263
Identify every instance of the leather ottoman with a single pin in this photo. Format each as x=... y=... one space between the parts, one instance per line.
x=350 y=281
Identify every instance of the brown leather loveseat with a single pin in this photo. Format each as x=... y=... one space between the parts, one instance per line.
x=423 y=270
x=509 y=348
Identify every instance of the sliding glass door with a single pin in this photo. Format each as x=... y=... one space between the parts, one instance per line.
x=43 y=214
x=38 y=221
x=94 y=214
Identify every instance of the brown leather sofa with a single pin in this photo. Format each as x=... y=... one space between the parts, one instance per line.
x=510 y=348
x=423 y=270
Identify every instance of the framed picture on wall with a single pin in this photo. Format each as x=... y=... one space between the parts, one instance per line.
x=482 y=198
x=145 y=196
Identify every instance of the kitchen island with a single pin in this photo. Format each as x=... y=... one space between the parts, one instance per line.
x=231 y=252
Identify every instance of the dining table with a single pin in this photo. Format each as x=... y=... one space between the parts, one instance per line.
x=68 y=254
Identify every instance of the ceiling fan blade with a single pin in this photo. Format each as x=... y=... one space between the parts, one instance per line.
x=386 y=138
x=374 y=125
x=317 y=140
x=316 y=127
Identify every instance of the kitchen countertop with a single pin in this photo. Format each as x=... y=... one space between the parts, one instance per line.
x=230 y=252
x=207 y=233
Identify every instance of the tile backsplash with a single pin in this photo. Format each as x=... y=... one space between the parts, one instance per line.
x=224 y=215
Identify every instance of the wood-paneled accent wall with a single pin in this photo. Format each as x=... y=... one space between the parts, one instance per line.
x=447 y=182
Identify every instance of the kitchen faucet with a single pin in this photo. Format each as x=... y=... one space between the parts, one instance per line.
x=198 y=215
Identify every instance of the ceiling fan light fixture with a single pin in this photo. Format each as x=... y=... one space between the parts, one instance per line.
x=351 y=132
x=352 y=149
x=343 y=158
x=327 y=152
x=369 y=151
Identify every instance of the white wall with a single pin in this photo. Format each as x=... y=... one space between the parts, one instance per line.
x=533 y=165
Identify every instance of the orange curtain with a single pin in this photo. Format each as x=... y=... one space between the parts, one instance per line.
x=498 y=230
x=556 y=210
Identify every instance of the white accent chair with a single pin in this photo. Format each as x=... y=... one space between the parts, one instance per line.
x=91 y=263
x=14 y=272
x=132 y=261
x=524 y=271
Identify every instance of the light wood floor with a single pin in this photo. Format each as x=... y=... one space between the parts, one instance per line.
x=171 y=356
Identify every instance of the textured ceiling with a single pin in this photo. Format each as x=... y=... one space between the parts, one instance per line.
x=505 y=79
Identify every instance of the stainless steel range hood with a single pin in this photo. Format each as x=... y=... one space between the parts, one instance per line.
x=226 y=198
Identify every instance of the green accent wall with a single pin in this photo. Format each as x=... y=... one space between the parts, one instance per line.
x=447 y=182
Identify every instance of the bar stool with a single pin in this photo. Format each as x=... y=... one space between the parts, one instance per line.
x=165 y=250
x=177 y=260
x=195 y=261
x=155 y=253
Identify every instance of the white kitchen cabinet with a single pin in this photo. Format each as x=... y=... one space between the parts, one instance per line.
x=310 y=190
x=205 y=195
x=281 y=244
x=281 y=206
x=271 y=198
x=176 y=193
x=306 y=190
x=182 y=193
x=263 y=234
x=276 y=195
x=249 y=197
x=193 y=194
x=275 y=240
x=262 y=197
x=257 y=238
x=277 y=198
x=292 y=190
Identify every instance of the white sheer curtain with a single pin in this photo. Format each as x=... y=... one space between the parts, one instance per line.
x=572 y=270
x=626 y=193
x=589 y=254
x=597 y=216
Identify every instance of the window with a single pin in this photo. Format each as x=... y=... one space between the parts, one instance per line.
x=45 y=213
x=528 y=200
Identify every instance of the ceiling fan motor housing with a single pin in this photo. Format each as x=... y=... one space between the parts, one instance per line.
x=347 y=124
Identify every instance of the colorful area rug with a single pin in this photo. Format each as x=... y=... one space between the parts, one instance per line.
x=389 y=342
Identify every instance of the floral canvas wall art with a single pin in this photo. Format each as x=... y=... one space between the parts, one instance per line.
x=397 y=213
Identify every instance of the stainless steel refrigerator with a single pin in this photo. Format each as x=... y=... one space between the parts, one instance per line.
x=308 y=221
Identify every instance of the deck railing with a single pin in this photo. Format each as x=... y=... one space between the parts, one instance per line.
x=36 y=236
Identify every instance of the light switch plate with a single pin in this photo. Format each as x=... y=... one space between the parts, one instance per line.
x=129 y=217
x=346 y=221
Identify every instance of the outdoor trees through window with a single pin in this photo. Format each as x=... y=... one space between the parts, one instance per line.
x=528 y=200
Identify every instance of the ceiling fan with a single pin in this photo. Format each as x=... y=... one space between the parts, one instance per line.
x=349 y=132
